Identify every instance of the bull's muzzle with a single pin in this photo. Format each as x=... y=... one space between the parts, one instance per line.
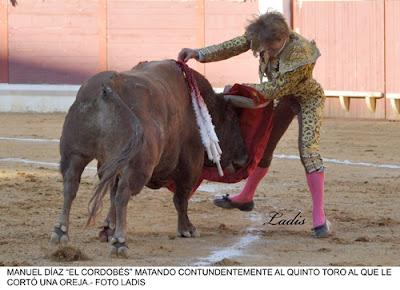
x=236 y=164
x=240 y=162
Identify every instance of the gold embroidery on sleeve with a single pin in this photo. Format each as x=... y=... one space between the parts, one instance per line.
x=225 y=49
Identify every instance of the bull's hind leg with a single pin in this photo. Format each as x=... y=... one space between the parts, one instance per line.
x=131 y=183
x=71 y=170
x=108 y=228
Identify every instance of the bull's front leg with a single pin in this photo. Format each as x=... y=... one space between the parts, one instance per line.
x=188 y=174
x=185 y=228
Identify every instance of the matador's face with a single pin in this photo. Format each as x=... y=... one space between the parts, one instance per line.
x=274 y=47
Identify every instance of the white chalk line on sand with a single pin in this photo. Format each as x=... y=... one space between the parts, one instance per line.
x=39 y=163
x=27 y=161
x=33 y=140
x=89 y=170
x=207 y=187
x=237 y=249
x=278 y=156
x=344 y=162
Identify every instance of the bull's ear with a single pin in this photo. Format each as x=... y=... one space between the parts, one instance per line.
x=243 y=102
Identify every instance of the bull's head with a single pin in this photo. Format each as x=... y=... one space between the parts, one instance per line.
x=225 y=116
x=226 y=120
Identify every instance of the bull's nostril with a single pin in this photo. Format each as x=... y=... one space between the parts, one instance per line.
x=230 y=169
x=241 y=161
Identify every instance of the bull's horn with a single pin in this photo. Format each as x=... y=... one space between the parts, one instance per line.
x=243 y=102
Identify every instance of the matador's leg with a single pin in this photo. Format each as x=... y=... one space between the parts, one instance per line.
x=284 y=113
x=310 y=119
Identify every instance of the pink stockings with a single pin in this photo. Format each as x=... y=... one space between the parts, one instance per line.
x=249 y=189
x=315 y=182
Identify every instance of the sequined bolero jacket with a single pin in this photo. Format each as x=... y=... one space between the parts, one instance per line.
x=289 y=73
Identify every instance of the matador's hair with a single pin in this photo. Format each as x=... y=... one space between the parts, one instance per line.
x=268 y=27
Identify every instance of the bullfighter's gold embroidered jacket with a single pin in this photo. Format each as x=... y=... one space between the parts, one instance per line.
x=290 y=73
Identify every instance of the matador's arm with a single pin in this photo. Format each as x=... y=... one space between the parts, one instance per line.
x=284 y=84
x=224 y=50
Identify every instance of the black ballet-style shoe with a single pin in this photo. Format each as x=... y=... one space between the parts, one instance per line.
x=227 y=203
x=323 y=230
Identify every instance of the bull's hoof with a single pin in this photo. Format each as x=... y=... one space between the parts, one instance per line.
x=192 y=233
x=59 y=236
x=106 y=234
x=119 y=249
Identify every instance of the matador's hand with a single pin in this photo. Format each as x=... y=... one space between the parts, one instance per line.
x=187 y=53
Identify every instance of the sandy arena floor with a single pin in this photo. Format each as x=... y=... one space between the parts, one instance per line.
x=362 y=202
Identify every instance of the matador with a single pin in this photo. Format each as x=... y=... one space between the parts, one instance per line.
x=286 y=63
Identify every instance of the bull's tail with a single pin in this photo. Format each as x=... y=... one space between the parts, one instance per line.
x=112 y=168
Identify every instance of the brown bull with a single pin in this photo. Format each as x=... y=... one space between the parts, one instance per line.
x=141 y=128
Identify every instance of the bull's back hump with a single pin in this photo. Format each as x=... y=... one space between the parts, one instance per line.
x=154 y=68
x=91 y=87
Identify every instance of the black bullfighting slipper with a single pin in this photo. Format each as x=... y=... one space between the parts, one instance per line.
x=227 y=203
x=323 y=231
